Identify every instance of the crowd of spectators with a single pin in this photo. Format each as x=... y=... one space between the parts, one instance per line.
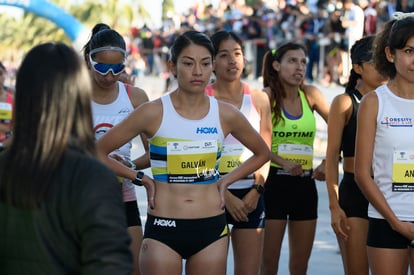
x=327 y=27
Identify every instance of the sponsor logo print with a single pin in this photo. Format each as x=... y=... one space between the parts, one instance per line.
x=397 y=121
x=164 y=223
x=206 y=130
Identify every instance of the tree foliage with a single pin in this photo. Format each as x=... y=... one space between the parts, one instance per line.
x=167 y=6
x=18 y=35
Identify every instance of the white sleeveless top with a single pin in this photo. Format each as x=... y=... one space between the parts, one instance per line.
x=234 y=152
x=393 y=158
x=186 y=151
x=106 y=116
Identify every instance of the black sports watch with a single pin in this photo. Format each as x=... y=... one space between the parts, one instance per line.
x=138 y=178
x=259 y=188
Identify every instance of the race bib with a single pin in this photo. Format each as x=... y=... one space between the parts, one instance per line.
x=5 y=118
x=403 y=171
x=298 y=153
x=231 y=157
x=192 y=162
x=5 y=112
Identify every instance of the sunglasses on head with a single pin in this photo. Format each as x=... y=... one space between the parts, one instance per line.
x=104 y=69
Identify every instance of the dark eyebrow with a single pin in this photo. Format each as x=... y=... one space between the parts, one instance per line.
x=191 y=58
x=235 y=49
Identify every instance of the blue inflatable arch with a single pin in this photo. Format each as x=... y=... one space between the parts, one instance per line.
x=72 y=27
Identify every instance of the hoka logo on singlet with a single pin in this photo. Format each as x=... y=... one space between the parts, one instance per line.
x=164 y=223
x=206 y=130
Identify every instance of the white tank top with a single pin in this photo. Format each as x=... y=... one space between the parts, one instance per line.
x=393 y=159
x=106 y=116
x=186 y=151
x=234 y=152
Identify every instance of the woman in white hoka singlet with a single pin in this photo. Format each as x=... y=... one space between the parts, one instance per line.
x=185 y=130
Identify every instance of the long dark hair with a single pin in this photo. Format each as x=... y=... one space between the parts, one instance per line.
x=395 y=36
x=361 y=52
x=52 y=113
x=271 y=77
x=102 y=35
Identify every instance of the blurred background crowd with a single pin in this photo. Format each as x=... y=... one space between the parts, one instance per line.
x=327 y=27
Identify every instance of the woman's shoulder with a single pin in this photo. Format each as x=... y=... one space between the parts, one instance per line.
x=267 y=91
x=342 y=99
x=227 y=111
x=260 y=97
x=371 y=97
x=316 y=100
x=137 y=96
x=341 y=106
x=311 y=93
x=253 y=90
x=310 y=89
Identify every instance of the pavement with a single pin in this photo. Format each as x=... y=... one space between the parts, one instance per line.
x=325 y=258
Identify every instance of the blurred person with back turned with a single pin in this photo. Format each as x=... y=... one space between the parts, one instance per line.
x=61 y=210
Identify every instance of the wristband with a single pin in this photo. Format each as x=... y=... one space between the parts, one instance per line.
x=259 y=188
x=138 y=178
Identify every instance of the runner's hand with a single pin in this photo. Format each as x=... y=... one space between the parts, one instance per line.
x=236 y=207
x=406 y=229
x=250 y=200
x=319 y=172
x=149 y=185
x=295 y=169
x=339 y=223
